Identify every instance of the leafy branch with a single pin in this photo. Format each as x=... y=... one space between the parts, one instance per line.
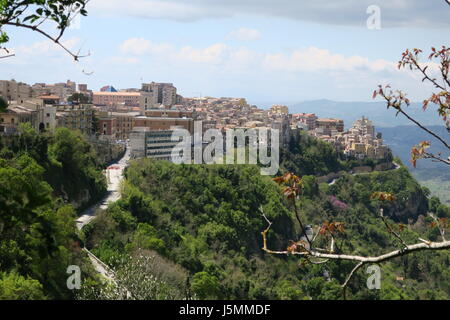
x=32 y=14
x=397 y=100
x=308 y=250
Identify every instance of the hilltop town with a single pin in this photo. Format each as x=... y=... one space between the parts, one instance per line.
x=147 y=116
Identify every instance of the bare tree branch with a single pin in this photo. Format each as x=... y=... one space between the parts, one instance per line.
x=441 y=229
x=349 y=277
x=396 y=104
x=392 y=231
x=361 y=260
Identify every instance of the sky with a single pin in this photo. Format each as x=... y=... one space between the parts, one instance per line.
x=264 y=50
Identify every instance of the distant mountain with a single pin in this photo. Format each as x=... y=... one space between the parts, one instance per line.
x=434 y=175
x=375 y=111
x=402 y=138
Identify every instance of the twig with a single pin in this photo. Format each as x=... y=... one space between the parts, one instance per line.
x=8 y=56
x=392 y=230
x=423 y=71
x=441 y=230
x=349 y=277
x=76 y=57
x=399 y=109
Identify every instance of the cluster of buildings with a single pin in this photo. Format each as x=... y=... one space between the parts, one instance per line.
x=360 y=141
x=12 y=90
x=149 y=96
x=148 y=115
x=235 y=113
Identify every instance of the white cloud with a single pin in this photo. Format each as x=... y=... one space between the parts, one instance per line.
x=395 y=13
x=314 y=59
x=124 y=60
x=215 y=54
x=245 y=34
x=45 y=47
x=140 y=46
x=230 y=58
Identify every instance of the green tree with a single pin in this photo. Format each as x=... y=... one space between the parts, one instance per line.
x=78 y=98
x=286 y=290
x=206 y=286
x=35 y=14
x=16 y=287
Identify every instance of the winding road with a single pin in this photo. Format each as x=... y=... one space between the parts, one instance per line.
x=114 y=176
x=397 y=166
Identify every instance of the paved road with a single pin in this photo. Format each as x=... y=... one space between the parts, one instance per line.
x=114 y=176
x=397 y=166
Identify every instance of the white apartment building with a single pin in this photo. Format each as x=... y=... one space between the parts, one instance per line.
x=155 y=144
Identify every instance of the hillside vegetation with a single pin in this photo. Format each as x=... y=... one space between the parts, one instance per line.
x=39 y=176
x=205 y=220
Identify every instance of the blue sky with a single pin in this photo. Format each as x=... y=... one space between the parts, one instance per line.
x=267 y=51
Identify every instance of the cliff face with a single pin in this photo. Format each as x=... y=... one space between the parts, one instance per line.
x=85 y=194
x=410 y=208
x=107 y=152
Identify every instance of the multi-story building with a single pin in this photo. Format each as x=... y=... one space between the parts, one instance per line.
x=149 y=143
x=151 y=136
x=169 y=94
x=50 y=99
x=326 y=126
x=63 y=90
x=279 y=109
x=33 y=111
x=284 y=128
x=168 y=113
x=364 y=127
x=107 y=127
x=13 y=117
x=164 y=123
x=155 y=94
x=124 y=123
x=148 y=100
x=15 y=91
x=115 y=99
x=309 y=119
x=76 y=117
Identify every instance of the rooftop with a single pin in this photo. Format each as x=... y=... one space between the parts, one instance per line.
x=108 y=93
